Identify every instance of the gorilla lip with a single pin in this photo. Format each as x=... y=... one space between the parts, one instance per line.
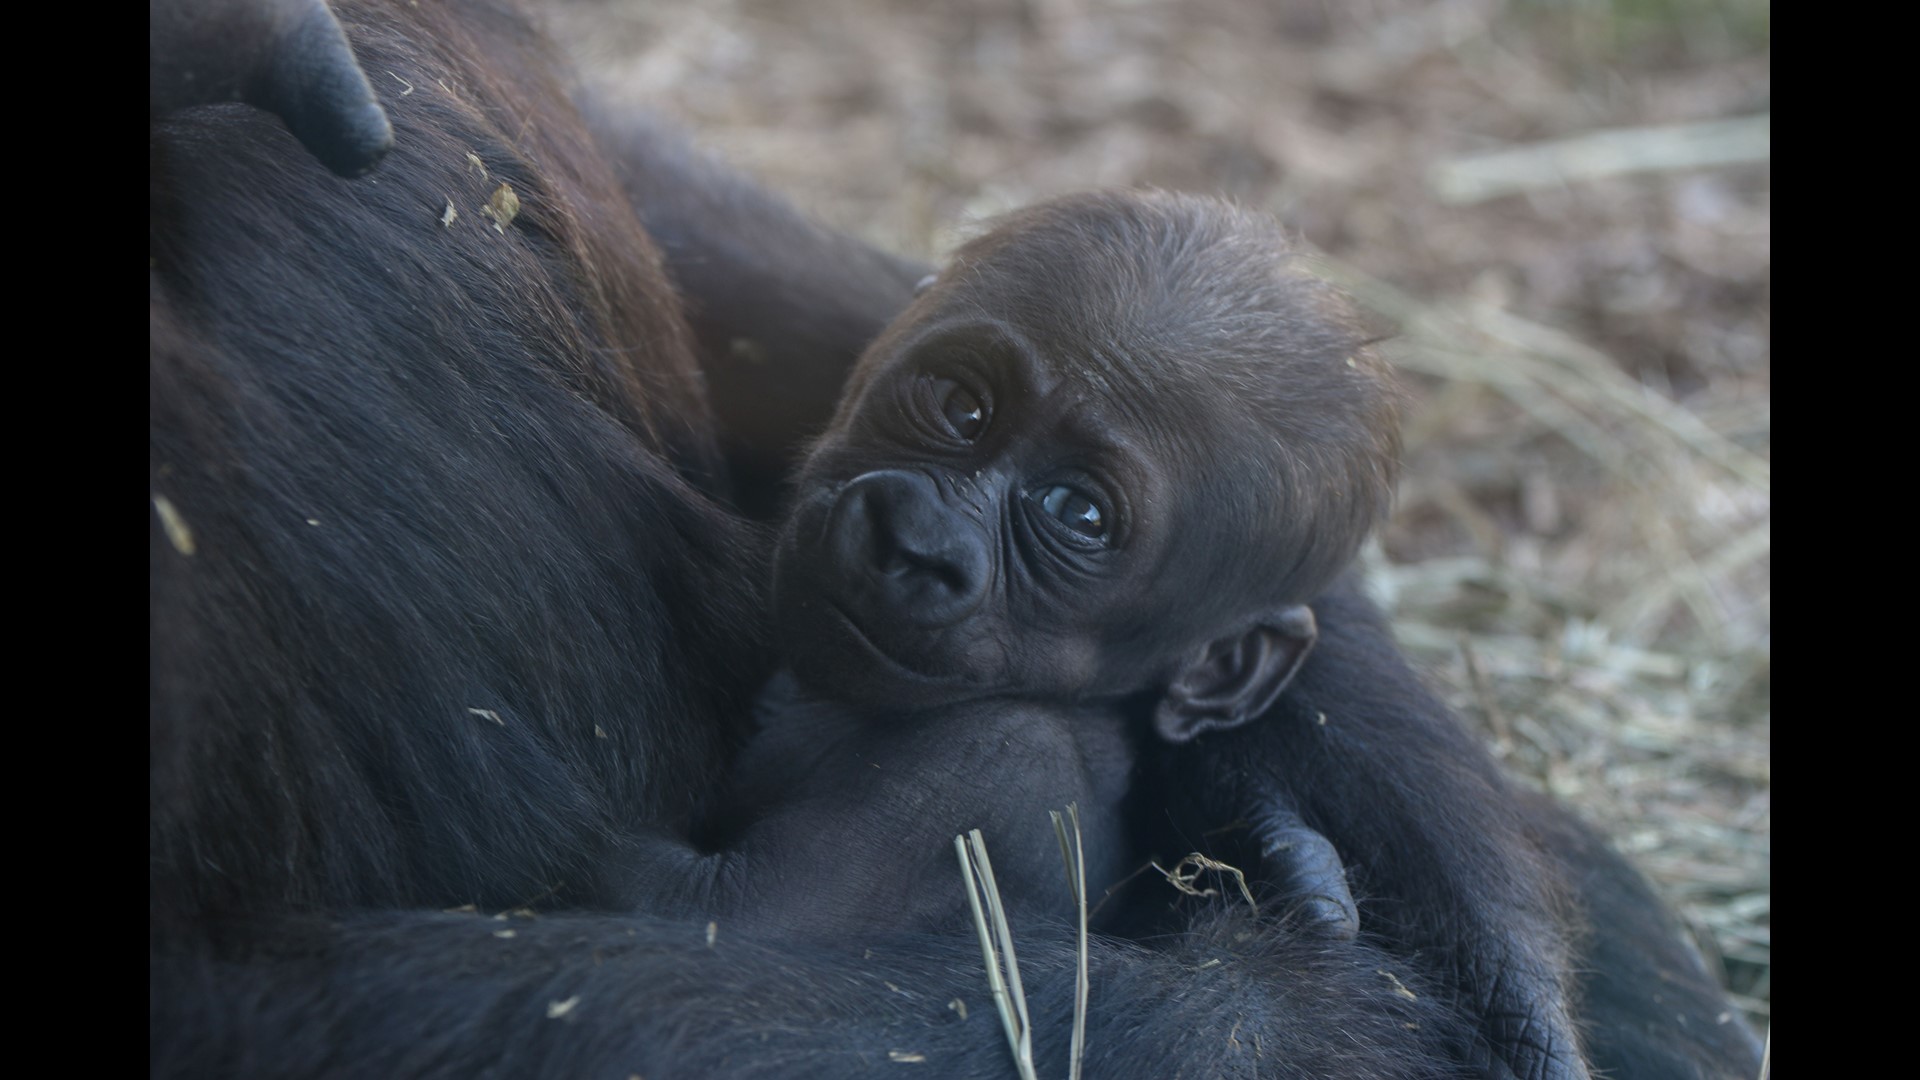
x=871 y=645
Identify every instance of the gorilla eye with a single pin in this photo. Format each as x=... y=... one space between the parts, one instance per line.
x=964 y=411
x=1072 y=508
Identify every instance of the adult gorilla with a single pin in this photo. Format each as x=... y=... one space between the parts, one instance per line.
x=443 y=605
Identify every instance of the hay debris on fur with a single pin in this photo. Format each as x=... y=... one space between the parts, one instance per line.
x=503 y=206
x=996 y=947
x=1187 y=871
x=1398 y=986
x=174 y=525
x=1073 y=854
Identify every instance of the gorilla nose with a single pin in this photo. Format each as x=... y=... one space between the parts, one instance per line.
x=896 y=530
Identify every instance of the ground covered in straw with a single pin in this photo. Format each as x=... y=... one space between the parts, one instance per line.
x=1581 y=551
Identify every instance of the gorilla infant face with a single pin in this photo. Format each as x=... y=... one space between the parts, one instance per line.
x=1115 y=431
x=980 y=521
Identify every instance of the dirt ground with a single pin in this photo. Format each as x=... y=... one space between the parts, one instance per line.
x=1581 y=553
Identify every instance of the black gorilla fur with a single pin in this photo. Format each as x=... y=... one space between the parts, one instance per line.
x=444 y=609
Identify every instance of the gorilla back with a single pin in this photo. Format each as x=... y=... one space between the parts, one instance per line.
x=441 y=623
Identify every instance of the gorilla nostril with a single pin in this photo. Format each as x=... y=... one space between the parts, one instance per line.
x=883 y=551
x=898 y=527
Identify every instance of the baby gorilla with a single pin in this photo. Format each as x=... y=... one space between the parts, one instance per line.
x=1076 y=495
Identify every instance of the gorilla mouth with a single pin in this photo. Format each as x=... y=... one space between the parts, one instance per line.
x=866 y=641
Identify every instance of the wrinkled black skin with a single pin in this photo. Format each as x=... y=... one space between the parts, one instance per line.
x=458 y=614
x=1553 y=940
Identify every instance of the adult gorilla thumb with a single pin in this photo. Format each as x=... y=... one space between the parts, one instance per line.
x=289 y=57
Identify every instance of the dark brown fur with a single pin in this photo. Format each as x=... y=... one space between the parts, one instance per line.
x=459 y=612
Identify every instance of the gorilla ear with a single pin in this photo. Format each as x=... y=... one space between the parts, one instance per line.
x=1236 y=678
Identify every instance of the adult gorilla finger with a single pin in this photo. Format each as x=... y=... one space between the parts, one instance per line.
x=1311 y=876
x=289 y=57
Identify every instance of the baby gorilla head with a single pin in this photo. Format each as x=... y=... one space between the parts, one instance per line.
x=1112 y=450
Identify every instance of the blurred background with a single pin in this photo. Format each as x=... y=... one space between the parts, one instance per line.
x=1561 y=208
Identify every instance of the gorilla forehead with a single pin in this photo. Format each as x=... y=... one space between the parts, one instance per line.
x=1181 y=300
x=1192 y=324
